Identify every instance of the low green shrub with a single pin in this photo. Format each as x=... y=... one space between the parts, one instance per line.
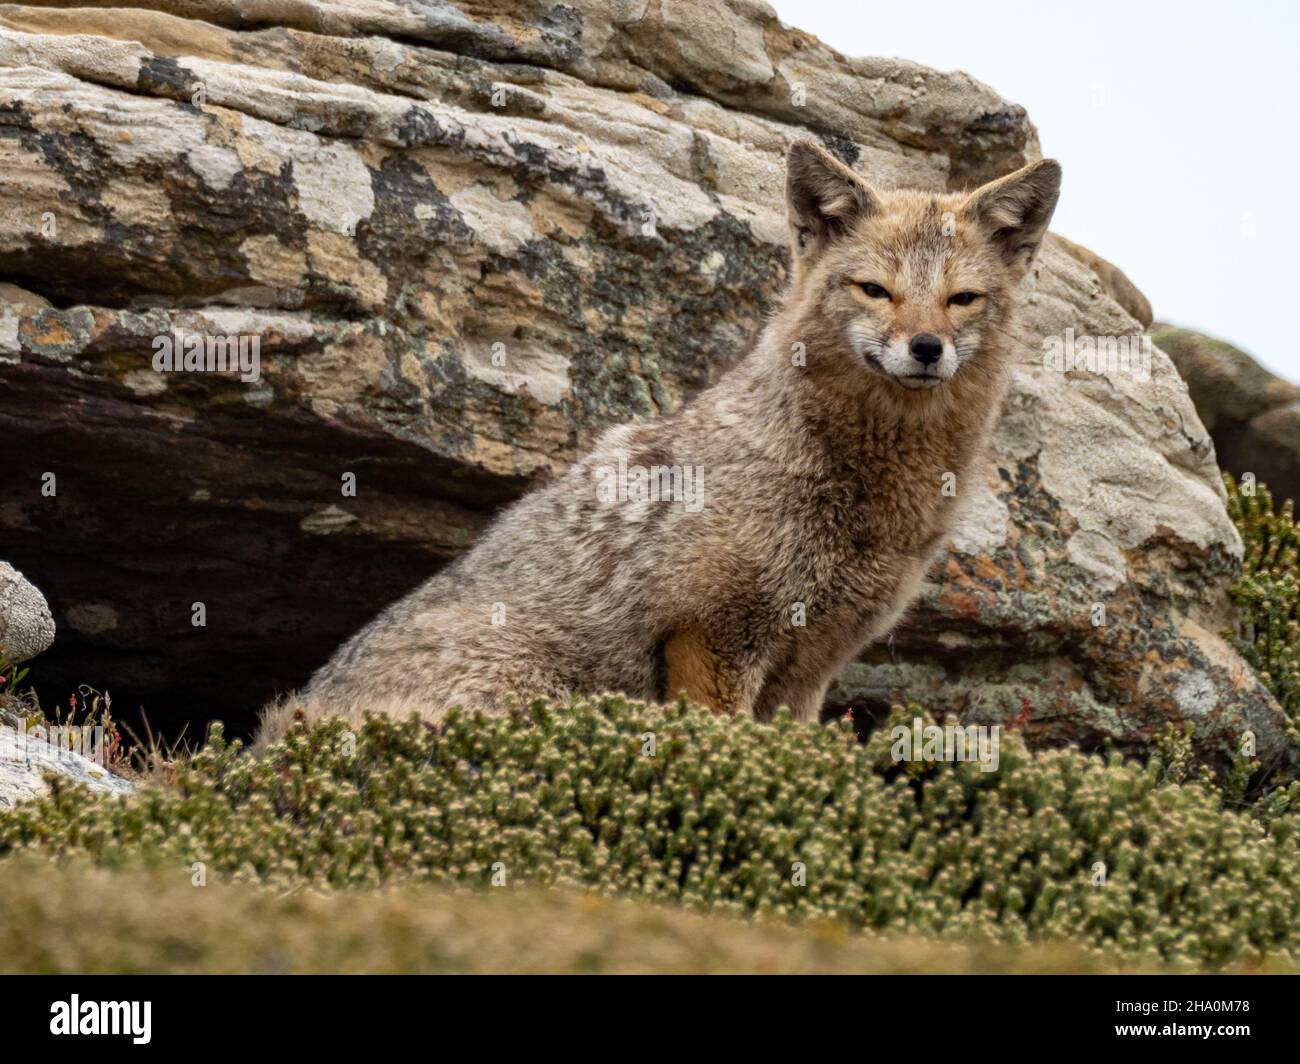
x=1269 y=593
x=673 y=803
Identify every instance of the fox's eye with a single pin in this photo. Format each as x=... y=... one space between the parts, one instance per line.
x=962 y=299
x=874 y=290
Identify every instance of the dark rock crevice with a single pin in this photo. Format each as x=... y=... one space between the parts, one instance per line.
x=243 y=514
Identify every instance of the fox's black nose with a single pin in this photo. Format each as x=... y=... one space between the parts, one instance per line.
x=926 y=348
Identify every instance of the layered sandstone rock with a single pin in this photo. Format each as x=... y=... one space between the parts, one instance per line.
x=466 y=238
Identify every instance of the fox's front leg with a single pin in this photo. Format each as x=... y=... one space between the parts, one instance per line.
x=809 y=661
x=803 y=696
x=712 y=675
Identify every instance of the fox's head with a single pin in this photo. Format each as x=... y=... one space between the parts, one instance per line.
x=907 y=285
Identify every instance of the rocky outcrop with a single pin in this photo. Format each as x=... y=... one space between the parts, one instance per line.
x=465 y=239
x=26 y=627
x=1253 y=415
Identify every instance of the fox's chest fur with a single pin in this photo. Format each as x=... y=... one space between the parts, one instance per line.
x=845 y=553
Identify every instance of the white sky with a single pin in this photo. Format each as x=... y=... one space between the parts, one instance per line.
x=1177 y=124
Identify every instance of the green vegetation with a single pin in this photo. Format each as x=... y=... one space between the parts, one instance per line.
x=720 y=818
x=1269 y=594
x=1144 y=865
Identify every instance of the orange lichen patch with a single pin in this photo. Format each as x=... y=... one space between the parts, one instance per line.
x=989 y=570
x=45 y=330
x=962 y=604
x=1024 y=577
x=103 y=321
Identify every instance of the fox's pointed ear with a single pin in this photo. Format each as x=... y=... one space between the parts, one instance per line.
x=824 y=197
x=1014 y=211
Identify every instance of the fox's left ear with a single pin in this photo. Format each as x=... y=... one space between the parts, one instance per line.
x=1014 y=211
x=824 y=198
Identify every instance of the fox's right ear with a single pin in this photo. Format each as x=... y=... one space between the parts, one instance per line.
x=824 y=198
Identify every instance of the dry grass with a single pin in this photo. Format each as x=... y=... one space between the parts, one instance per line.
x=62 y=917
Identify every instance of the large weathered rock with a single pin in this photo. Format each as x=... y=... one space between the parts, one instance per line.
x=1253 y=415
x=467 y=238
x=26 y=627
